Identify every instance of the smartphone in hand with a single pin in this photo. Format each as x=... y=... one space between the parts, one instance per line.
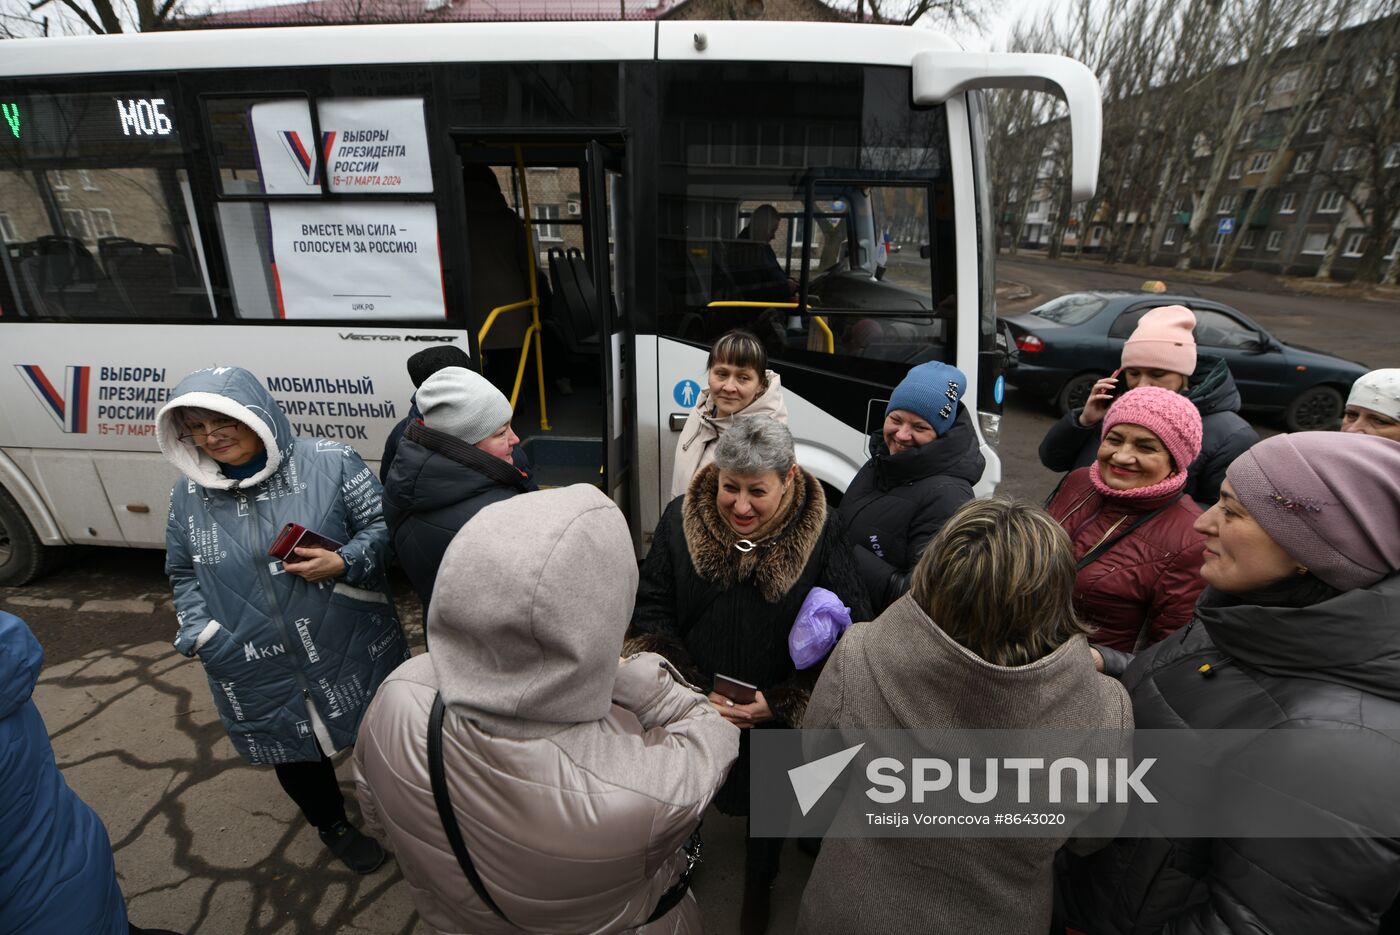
x=296 y=536
x=736 y=690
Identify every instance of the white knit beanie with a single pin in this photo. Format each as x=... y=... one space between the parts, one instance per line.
x=462 y=403
x=1378 y=391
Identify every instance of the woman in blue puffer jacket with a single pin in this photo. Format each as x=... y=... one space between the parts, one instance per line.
x=293 y=649
x=56 y=867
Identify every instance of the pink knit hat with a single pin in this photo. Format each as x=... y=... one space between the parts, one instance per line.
x=1172 y=418
x=1163 y=341
x=1331 y=500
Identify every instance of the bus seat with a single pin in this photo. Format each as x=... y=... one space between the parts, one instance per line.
x=153 y=278
x=575 y=318
x=64 y=280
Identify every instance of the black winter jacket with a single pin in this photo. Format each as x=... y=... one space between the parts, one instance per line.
x=1334 y=665
x=437 y=483
x=896 y=504
x=1224 y=434
x=711 y=609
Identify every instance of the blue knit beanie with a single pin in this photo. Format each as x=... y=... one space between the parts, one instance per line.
x=931 y=391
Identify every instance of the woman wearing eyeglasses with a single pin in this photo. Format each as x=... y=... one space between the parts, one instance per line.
x=294 y=649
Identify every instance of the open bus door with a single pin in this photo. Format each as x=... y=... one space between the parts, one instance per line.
x=552 y=338
x=604 y=203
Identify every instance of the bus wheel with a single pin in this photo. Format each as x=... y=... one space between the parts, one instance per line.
x=22 y=556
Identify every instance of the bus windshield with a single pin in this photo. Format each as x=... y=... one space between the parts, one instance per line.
x=797 y=190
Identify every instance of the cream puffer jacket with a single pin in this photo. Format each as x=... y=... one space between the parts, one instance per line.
x=576 y=779
x=695 y=448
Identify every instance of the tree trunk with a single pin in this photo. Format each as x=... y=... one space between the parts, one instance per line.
x=1392 y=275
x=1158 y=212
x=1334 y=246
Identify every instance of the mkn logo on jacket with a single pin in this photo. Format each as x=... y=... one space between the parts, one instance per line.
x=68 y=408
x=253 y=653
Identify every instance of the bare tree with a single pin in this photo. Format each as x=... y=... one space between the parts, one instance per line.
x=23 y=18
x=1364 y=163
x=909 y=12
x=1294 y=95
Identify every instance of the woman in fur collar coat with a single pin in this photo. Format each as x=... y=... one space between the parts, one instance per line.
x=730 y=565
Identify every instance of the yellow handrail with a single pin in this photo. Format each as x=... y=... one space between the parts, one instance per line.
x=533 y=303
x=820 y=321
x=495 y=313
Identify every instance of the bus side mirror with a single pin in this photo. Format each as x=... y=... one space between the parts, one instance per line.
x=939 y=75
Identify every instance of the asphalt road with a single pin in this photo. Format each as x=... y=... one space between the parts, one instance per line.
x=205 y=844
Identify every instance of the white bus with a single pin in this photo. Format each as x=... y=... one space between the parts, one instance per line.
x=315 y=204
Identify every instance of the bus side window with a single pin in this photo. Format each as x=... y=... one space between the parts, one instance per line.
x=102 y=244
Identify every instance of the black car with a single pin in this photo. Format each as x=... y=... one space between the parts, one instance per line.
x=1068 y=343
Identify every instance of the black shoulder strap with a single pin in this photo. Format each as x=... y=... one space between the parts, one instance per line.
x=436 y=775
x=444 y=808
x=1107 y=544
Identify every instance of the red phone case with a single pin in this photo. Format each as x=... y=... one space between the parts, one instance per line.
x=296 y=536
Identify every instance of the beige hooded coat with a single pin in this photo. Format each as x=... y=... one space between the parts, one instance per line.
x=576 y=780
x=696 y=447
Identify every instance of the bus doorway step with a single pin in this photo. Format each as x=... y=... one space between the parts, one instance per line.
x=563 y=460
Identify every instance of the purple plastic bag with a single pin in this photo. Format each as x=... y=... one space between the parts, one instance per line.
x=819 y=624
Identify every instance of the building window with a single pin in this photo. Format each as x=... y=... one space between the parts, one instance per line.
x=1169 y=238
x=1234 y=172
x=86 y=180
x=58 y=180
x=1227 y=204
x=1333 y=78
x=1318 y=121
x=7 y=228
x=545 y=215
x=1346 y=159
x=1394 y=243
x=1251 y=130
x=1373 y=74
x=1275 y=241
x=1288 y=204
x=1303 y=162
x=1392 y=156
x=1261 y=162
x=1331 y=203
x=1315 y=243
x=75 y=224
x=1251 y=240
x=102 y=223
x=1288 y=81
x=1355 y=245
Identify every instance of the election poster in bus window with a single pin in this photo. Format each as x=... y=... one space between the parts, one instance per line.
x=364 y=260
x=350 y=260
x=367 y=144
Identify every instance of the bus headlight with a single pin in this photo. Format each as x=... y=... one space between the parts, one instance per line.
x=990 y=423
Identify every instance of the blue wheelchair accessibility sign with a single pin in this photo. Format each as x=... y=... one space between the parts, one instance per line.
x=1227 y=226
x=686 y=393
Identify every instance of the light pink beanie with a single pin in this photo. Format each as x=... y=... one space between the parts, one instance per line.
x=1163 y=341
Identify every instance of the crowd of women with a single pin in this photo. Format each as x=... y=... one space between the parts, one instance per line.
x=544 y=766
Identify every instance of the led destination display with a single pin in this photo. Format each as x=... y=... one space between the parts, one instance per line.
x=94 y=126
